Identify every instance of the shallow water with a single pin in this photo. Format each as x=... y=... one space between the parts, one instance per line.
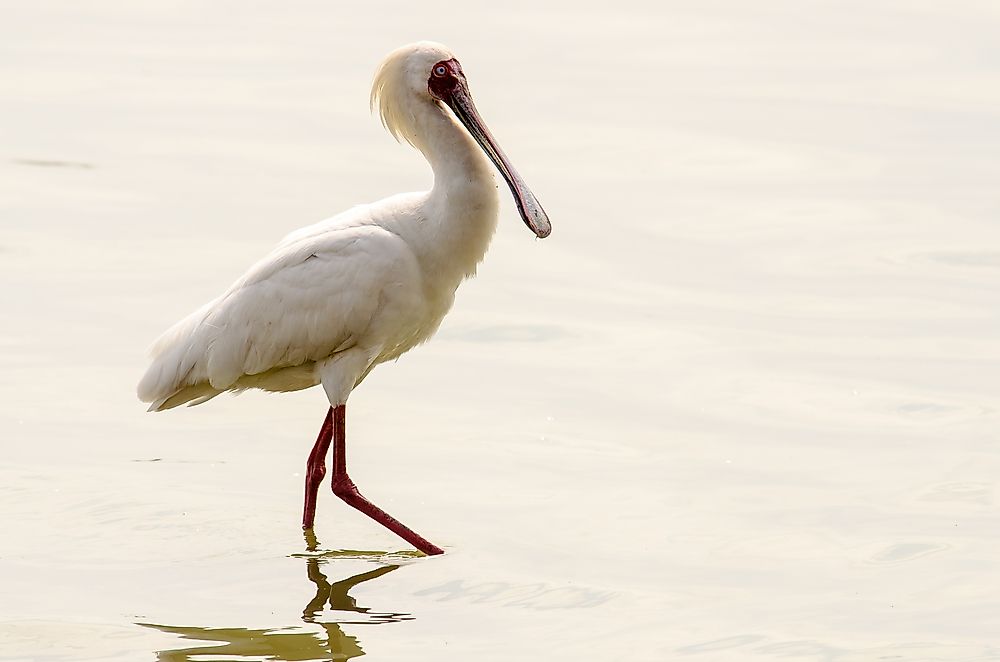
x=743 y=404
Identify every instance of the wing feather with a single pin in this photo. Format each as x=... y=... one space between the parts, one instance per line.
x=312 y=296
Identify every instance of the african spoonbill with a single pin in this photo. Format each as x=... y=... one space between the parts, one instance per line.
x=333 y=300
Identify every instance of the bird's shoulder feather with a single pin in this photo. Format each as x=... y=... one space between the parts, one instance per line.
x=314 y=294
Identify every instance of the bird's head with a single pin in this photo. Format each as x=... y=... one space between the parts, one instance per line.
x=426 y=76
x=403 y=78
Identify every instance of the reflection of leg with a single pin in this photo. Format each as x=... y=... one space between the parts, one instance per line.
x=342 y=647
x=339 y=599
x=316 y=470
x=337 y=593
x=318 y=603
x=311 y=542
x=345 y=488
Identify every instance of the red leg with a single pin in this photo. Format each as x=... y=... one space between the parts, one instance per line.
x=316 y=469
x=344 y=488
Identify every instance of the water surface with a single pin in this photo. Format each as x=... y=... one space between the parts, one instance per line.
x=742 y=404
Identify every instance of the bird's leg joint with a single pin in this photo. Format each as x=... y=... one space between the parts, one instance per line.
x=315 y=472
x=343 y=486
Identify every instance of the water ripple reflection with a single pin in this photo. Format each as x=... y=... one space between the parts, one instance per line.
x=321 y=638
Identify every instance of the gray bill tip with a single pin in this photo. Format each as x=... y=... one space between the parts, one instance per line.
x=536 y=218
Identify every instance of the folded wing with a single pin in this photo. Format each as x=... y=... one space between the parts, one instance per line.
x=314 y=295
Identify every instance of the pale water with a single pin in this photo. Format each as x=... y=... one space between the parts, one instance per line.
x=741 y=405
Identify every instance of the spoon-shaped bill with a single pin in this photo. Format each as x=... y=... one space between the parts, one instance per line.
x=460 y=102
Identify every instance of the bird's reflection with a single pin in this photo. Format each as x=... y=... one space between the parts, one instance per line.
x=296 y=642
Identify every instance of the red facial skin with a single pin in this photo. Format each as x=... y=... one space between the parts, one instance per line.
x=443 y=85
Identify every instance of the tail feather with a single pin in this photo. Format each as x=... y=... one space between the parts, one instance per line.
x=172 y=378
x=190 y=395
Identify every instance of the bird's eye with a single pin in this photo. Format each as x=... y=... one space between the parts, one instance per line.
x=440 y=70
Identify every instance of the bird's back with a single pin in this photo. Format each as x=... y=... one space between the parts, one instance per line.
x=324 y=289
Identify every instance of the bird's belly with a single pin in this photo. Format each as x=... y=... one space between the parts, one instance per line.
x=401 y=325
x=292 y=378
x=403 y=343
x=421 y=327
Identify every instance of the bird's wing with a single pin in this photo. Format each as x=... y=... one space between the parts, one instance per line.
x=313 y=295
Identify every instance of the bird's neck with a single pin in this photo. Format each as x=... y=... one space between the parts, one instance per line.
x=457 y=161
x=462 y=206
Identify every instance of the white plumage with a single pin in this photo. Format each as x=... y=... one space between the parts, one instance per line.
x=330 y=300
x=334 y=299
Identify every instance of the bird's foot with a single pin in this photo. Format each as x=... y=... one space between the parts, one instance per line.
x=348 y=492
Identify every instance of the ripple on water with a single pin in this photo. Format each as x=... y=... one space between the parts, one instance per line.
x=967 y=492
x=965 y=258
x=905 y=552
x=62 y=641
x=759 y=646
x=54 y=163
x=318 y=636
x=360 y=554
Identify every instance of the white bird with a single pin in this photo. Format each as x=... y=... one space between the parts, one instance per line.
x=333 y=300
